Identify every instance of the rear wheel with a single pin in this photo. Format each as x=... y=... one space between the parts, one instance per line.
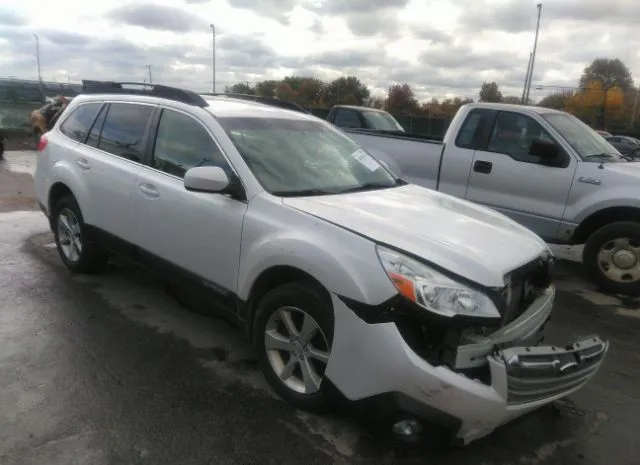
x=294 y=333
x=77 y=252
x=612 y=257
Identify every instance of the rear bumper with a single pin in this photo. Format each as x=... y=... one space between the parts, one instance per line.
x=371 y=361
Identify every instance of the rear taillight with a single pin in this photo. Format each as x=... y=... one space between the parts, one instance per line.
x=42 y=143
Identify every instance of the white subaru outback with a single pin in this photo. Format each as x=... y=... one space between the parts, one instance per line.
x=347 y=279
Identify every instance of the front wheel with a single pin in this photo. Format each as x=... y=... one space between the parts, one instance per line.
x=294 y=333
x=612 y=257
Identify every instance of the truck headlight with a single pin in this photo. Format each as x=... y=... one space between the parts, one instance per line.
x=432 y=290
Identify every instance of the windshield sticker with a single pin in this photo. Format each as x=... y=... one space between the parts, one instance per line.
x=366 y=160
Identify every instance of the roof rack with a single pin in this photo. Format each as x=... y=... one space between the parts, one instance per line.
x=274 y=102
x=153 y=90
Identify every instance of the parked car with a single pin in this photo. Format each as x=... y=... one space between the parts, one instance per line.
x=625 y=145
x=354 y=117
x=348 y=280
x=541 y=167
x=603 y=133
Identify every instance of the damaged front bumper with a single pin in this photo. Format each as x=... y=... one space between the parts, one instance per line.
x=373 y=360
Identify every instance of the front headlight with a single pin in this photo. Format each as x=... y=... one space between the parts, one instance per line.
x=432 y=290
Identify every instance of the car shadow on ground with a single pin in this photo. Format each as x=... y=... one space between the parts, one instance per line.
x=549 y=434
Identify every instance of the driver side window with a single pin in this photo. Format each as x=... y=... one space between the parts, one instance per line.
x=183 y=143
x=512 y=135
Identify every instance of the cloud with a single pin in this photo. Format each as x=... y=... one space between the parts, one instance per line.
x=439 y=47
x=9 y=17
x=157 y=17
x=520 y=16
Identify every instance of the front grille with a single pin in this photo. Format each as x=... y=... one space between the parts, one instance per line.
x=535 y=375
x=524 y=285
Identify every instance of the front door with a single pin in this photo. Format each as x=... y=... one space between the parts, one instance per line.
x=505 y=177
x=196 y=234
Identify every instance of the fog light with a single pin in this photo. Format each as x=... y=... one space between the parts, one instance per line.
x=406 y=428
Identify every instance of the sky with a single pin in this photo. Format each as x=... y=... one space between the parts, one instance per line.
x=440 y=48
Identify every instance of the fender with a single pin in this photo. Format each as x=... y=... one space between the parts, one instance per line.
x=348 y=266
x=601 y=200
x=62 y=172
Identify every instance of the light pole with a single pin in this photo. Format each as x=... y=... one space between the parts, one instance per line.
x=526 y=79
x=213 y=57
x=533 y=54
x=38 y=56
x=150 y=79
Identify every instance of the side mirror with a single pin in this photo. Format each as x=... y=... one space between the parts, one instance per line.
x=206 y=179
x=548 y=151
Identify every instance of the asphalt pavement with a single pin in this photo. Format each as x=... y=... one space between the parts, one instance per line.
x=111 y=369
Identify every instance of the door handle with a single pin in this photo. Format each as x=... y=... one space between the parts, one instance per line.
x=482 y=167
x=149 y=190
x=83 y=163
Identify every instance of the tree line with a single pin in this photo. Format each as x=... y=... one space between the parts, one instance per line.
x=604 y=94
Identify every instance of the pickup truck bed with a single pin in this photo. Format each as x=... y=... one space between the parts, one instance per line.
x=418 y=155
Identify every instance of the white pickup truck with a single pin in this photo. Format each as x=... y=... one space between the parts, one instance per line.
x=541 y=167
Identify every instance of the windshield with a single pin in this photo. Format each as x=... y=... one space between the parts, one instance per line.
x=299 y=157
x=381 y=121
x=589 y=144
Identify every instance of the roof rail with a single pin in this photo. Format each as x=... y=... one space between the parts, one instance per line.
x=274 y=102
x=153 y=90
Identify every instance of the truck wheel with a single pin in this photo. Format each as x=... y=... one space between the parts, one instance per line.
x=294 y=333
x=612 y=257
x=78 y=253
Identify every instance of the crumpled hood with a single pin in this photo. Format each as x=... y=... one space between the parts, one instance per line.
x=472 y=241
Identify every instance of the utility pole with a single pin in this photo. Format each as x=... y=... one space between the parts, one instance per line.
x=533 y=54
x=635 y=107
x=150 y=79
x=38 y=56
x=213 y=57
x=526 y=80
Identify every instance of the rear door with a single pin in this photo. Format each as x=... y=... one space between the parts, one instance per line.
x=111 y=160
x=348 y=118
x=505 y=177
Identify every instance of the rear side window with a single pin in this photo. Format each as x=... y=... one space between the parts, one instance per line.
x=124 y=129
x=77 y=124
x=471 y=133
x=347 y=119
x=182 y=143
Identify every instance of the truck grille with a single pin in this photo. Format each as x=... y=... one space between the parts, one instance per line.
x=524 y=285
x=540 y=373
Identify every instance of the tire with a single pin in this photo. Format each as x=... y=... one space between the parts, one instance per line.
x=81 y=255
x=619 y=244
x=297 y=300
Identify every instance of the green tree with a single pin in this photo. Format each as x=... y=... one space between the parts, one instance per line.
x=240 y=88
x=489 y=92
x=347 y=89
x=401 y=99
x=609 y=73
x=557 y=100
x=266 y=88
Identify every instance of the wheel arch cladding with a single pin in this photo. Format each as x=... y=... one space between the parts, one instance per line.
x=272 y=278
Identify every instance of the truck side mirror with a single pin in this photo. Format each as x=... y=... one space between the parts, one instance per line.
x=548 y=151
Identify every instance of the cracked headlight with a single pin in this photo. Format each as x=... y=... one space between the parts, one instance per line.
x=432 y=290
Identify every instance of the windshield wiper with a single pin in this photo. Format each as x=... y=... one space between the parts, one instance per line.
x=302 y=193
x=604 y=155
x=369 y=186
